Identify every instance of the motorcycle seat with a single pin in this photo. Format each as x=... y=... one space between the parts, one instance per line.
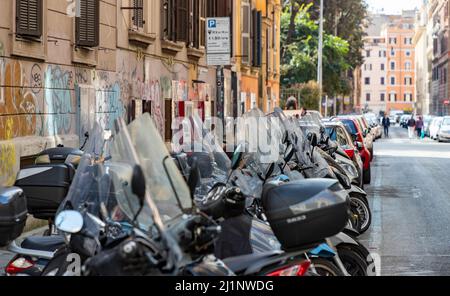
x=43 y=243
x=242 y=263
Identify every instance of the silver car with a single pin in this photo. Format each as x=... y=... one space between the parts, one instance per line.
x=444 y=130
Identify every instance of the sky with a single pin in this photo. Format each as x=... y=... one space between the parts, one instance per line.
x=393 y=6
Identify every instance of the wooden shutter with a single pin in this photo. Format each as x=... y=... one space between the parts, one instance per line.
x=246 y=28
x=88 y=24
x=182 y=20
x=138 y=14
x=257 y=38
x=29 y=18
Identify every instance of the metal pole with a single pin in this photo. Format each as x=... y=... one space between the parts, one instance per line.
x=320 y=57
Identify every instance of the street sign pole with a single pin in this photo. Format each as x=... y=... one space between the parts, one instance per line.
x=320 y=59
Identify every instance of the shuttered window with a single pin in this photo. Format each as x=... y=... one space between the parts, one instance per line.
x=257 y=38
x=182 y=20
x=197 y=34
x=88 y=24
x=29 y=18
x=246 y=28
x=138 y=14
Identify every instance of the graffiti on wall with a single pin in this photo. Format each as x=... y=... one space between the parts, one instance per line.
x=58 y=100
x=8 y=164
x=18 y=104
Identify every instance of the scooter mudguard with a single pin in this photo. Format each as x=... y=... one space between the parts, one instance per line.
x=342 y=238
x=357 y=190
x=323 y=251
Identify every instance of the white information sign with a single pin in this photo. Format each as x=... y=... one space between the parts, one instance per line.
x=218 y=41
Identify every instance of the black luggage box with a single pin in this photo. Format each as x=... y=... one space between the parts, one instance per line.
x=306 y=212
x=13 y=214
x=45 y=187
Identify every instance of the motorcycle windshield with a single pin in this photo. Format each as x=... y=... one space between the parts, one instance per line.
x=301 y=144
x=263 y=139
x=212 y=161
x=166 y=186
x=89 y=188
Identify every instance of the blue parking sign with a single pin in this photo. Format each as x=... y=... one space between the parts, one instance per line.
x=212 y=23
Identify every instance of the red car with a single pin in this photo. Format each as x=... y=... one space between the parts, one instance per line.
x=357 y=135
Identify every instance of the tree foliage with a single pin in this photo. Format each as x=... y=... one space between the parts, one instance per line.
x=300 y=35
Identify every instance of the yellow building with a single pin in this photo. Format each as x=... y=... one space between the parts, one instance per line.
x=258 y=56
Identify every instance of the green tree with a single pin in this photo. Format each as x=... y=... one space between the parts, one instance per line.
x=300 y=51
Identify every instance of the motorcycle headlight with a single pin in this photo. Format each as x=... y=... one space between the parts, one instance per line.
x=350 y=170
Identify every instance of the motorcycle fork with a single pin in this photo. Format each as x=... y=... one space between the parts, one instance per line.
x=338 y=260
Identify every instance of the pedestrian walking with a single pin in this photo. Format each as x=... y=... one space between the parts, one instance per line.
x=419 y=127
x=411 y=127
x=386 y=124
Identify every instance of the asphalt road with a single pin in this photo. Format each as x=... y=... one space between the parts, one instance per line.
x=410 y=197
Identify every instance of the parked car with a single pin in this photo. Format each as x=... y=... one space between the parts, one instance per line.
x=427 y=119
x=404 y=120
x=435 y=126
x=368 y=137
x=356 y=133
x=444 y=130
x=374 y=124
x=339 y=133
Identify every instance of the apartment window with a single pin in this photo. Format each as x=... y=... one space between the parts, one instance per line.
x=408 y=66
x=392 y=65
x=382 y=67
x=392 y=40
x=407 y=97
x=246 y=29
x=367 y=97
x=393 y=52
x=197 y=31
x=367 y=81
x=392 y=80
x=408 y=80
x=408 y=53
x=88 y=24
x=393 y=97
x=382 y=81
x=382 y=97
x=370 y=67
x=368 y=53
x=29 y=18
x=138 y=14
x=176 y=19
x=408 y=41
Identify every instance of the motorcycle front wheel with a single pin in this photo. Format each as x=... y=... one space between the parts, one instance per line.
x=353 y=262
x=361 y=210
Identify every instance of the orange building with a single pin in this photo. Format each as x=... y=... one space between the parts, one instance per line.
x=400 y=74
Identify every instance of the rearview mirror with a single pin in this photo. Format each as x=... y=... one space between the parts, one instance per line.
x=138 y=186
x=69 y=222
x=359 y=145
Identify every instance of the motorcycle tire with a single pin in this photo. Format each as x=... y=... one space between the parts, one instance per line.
x=368 y=176
x=360 y=207
x=325 y=267
x=353 y=263
x=364 y=253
